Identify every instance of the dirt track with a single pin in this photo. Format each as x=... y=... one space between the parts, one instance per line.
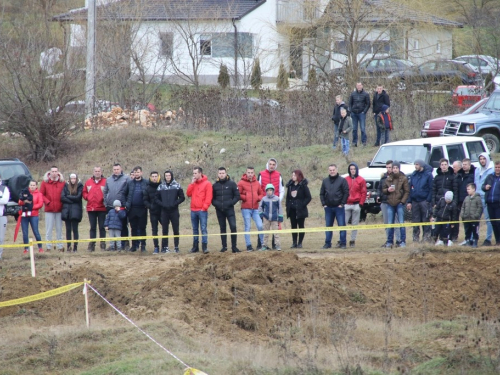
x=260 y=292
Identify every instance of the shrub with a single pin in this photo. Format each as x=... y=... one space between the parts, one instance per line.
x=256 y=78
x=282 y=78
x=223 y=79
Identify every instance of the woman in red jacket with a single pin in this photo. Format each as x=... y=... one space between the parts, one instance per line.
x=31 y=216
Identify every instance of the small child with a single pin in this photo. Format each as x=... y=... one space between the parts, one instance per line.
x=445 y=210
x=472 y=209
x=345 y=128
x=271 y=213
x=384 y=123
x=113 y=224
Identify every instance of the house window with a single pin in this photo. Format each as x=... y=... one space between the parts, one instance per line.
x=223 y=45
x=416 y=44
x=206 y=45
x=438 y=47
x=166 y=44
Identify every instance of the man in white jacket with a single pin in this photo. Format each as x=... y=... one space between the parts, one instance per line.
x=4 y=199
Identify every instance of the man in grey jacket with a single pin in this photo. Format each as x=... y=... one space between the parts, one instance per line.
x=116 y=189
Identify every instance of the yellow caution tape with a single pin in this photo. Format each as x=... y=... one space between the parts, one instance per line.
x=281 y=231
x=39 y=296
x=193 y=371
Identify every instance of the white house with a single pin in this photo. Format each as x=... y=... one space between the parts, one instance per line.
x=187 y=40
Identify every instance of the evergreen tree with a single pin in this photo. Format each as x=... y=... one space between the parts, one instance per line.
x=312 y=81
x=282 y=78
x=223 y=79
x=256 y=78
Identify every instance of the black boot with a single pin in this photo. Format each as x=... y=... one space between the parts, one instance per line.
x=204 y=246
x=196 y=247
x=69 y=249
x=75 y=247
x=236 y=250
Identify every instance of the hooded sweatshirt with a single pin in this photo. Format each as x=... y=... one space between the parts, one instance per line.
x=274 y=177
x=421 y=184
x=481 y=173
x=170 y=195
x=357 y=186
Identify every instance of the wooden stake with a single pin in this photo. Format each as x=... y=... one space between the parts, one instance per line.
x=86 y=292
x=32 y=259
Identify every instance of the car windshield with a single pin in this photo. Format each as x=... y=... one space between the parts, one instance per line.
x=404 y=154
x=493 y=103
x=10 y=170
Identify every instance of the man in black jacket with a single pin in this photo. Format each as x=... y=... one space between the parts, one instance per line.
x=333 y=194
x=225 y=196
x=443 y=181
x=339 y=103
x=169 y=196
x=359 y=103
x=137 y=212
x=154 y=208
x=380 y=98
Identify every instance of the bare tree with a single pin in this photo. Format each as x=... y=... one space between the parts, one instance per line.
x=32 y=101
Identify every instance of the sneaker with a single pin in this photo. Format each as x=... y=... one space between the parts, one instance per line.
x=294 y=246
x=264 y=248
x=156 y=251
x=388 y=245
x=176 y=249
x=299 y=246
x=352 y=243
x=274 y=247
x=111 y=248
x=133 y=249
x=126 y=247
x=327 y=246
x=465 y=243
x=340 y=245
x=486 y=243
x=143 y=250
x=48 y=249
x=398 y=243
x=235 y=250
x=103 y=245
x=223 y=250
x=439 y=243
x=278 y=248
x=402 y=244
x=249 y=248
x=450 y=243
x=25 y=251
x=119 y=249
x=165 y=250
x=41 y=250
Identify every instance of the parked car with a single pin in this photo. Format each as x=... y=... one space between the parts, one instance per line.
x=484 y=124
x=447 y=72
x=16 y=176
x=378 y=67
x=435 y=127
x=483 y=63
x=465 y=96
x=431 y=150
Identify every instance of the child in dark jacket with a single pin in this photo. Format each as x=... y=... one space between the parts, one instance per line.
x=472 y=209
x=384 y=123
x=271 y=213
x=445 y=210
x=113 y=224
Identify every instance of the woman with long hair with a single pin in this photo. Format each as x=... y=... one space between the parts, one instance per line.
x=72 y=212
x=298 y=197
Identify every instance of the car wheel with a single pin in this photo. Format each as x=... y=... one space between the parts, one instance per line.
x=492 y=142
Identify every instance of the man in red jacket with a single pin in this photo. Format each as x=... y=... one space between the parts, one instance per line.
x=250 y=195
x=96 y=210
x=200 y=191
x=356 y=199
x=51 y=188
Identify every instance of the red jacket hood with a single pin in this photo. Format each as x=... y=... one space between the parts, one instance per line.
x=46 y=178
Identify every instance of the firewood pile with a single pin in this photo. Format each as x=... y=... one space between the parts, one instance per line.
x=120 y=118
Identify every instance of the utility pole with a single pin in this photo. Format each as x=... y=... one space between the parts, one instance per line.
x=90 y=70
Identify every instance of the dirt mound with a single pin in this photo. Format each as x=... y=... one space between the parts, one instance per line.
x=263 y=293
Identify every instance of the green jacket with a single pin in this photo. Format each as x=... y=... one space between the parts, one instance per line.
x=347 y=127
x=472 y=208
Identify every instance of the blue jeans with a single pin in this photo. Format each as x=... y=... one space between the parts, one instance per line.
x=249 y=214
x=379 y=131
x=361 y=119
x=335 y=135
x=391 y=214
x=199 y=218
x=489 y=228
x=330 y=214
x=345 y=145
x=25 y=222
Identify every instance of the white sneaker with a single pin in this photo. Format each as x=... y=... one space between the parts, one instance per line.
x=439 y=243
x=450 y=243
x=464 y=243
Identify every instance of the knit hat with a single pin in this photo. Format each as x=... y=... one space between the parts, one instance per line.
x=117 y=203
x=396 y=164
x=420 y=162
x=448 y=196
x=72 y=175
x=384 y=108
x=269 y=186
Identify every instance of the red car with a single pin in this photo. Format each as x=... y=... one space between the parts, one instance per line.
x=434 y=127
x=465 y=96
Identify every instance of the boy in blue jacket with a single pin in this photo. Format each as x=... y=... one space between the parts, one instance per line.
x=271 y=213
x=113 y=224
